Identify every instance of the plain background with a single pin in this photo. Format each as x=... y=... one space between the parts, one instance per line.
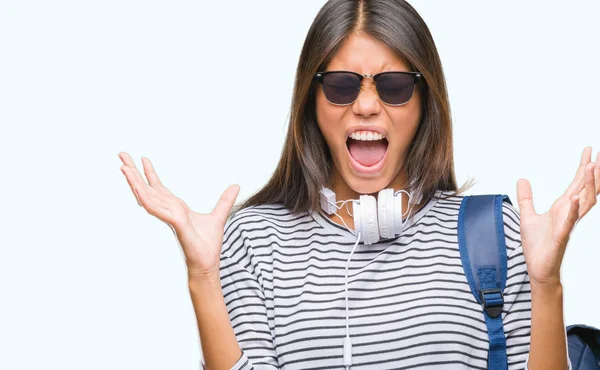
x=89 y=280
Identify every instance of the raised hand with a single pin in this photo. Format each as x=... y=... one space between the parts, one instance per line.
x=200 y=235
x=544 y=237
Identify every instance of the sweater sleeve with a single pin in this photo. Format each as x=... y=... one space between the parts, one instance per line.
x=516 y=314
x=242 y=364
x=245 y=300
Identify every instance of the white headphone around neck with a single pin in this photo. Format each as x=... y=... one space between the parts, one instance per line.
x=373 y=219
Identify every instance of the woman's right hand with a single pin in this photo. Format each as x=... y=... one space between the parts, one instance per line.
x=200 y=235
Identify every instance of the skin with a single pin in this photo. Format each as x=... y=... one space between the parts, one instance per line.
x=363 y=54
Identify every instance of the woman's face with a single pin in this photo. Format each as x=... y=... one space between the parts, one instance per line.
x=362 y=54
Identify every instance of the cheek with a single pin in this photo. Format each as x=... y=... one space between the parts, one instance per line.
x=406 y=122
x=405 y=128
x=329 y=118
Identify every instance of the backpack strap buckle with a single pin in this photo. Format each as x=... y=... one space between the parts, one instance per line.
x=492 y=301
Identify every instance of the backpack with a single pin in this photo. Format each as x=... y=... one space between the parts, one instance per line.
x=482 y=248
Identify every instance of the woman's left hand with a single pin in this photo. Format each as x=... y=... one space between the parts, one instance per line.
x=544 y=237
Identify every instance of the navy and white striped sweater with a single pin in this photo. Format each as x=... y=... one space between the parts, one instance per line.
x=410 y=304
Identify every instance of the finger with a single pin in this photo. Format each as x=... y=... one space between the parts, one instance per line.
x=142 y=190
x=586 y=156
x=572 y=217
x=525 y=197
x=226 y=202
x=129 y=176
x=597 y=173
x=126 y=158
x=155 y=182
x=151 y=175
x=588 y=195
x=579 y=181
x=153 y=203
x=148 y=196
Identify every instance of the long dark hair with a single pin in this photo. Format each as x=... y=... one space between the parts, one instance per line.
x=305 y=163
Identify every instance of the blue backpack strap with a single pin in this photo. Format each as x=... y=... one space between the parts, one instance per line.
x=483 y=254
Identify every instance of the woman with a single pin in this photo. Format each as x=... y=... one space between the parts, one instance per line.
x=269 y=283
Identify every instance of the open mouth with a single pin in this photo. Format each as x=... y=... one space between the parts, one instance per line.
x=367 y=154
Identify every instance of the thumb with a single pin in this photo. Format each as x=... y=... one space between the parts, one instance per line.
x=225 y=203
x=525 y=197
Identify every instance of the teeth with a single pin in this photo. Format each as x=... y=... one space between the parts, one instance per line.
x=366 y=135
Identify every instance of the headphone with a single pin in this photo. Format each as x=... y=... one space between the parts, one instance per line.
x=373 y=219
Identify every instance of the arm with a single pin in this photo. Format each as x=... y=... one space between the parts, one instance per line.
x=544 y=239
x=533 y=322
x=220 y=348
x=234 y=325
x=548 y=337
x=198 y=235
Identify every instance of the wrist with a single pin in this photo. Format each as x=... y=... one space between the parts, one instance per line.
x=550 y=283
x=203 y=279
x=198 y=271
x=546 y=287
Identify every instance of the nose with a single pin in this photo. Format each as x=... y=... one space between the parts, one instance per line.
x=367 y=102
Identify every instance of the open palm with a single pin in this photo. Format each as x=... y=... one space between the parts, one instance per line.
x=200 y=235
x=545 y=236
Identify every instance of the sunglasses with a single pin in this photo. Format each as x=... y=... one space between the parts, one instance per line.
x=342 y=87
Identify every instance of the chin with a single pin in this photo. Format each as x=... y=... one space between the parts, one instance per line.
x=370 y=186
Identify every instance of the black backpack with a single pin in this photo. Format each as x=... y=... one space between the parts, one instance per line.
x=482 y=247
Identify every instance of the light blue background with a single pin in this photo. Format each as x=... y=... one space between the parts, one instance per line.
x=89 y=280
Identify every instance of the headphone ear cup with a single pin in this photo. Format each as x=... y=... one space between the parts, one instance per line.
x=368 y=217
x=385 y=212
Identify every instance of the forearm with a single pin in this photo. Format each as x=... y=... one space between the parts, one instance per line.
x=219 y=344
x=548 y=348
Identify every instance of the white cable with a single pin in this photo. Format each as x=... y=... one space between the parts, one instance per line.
x=344 y=202
x=347 y=341
x=408 y=203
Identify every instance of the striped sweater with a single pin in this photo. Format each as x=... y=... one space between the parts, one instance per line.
x=410 y=305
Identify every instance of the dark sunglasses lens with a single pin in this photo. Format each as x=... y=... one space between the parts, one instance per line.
x=395 y=88
x=341 y=88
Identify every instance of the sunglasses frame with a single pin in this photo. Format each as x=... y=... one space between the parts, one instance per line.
x=417 y=77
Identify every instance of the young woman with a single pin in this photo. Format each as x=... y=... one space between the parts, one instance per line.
x=278 y=283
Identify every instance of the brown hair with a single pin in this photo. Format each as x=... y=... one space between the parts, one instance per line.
x=305 y=164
